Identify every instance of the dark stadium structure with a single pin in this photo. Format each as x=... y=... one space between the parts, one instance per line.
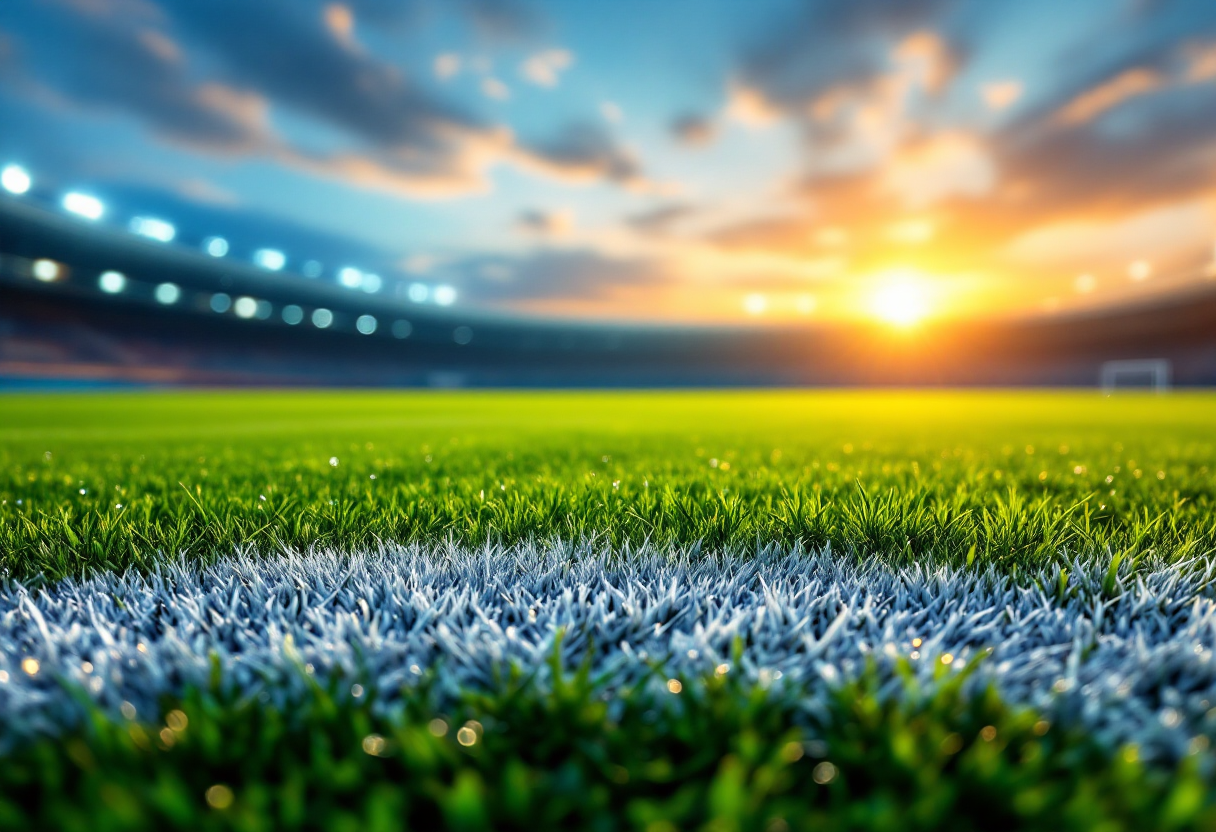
x=58 y=326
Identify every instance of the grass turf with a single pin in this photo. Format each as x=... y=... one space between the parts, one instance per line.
x=712 y=755
x=106 y=481
x=100 y=482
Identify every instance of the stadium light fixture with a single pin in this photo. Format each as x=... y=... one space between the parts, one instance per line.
x=366 y=324
x=15 y=179
x=418 y=292
x=350 y=277
x=321 y=318
x=220 y=303
x=445 y=295
x=245 y=307
x=47 y=271
x=372 y=283
x=154 y=229
x=270 y=259
x=168 y=293
x=112 y=282
x=215 y=246
x=83 y=205
x=292 y=314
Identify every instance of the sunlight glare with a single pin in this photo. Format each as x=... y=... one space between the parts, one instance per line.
x=900 y=299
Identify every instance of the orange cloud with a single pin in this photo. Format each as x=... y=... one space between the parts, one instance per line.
x=1000 y=95
x=1164 y=232
x=942 y=166
x=1202 y=60
x=1124 y=86
x=926 y=60
x=341 y=23
x=749 y=106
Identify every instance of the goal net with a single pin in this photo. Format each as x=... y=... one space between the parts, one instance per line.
x=1144 y=373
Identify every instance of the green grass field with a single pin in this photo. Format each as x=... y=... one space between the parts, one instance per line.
x=1070 y=506
x=89 y=481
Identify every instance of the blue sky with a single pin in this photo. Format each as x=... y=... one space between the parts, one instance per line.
x=694 y=161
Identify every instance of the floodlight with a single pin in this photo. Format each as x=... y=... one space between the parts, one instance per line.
x=83 y=205
x=269 y=258
x=153 y=228
x=15 y=179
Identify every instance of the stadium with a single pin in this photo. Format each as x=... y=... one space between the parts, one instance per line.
x=230 y=323
x=510 y=414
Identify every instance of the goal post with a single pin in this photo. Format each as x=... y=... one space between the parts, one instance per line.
x=1151 y=373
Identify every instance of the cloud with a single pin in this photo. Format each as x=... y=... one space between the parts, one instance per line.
x=299 y=57
x=206 y=191
x=555 y=277
x=546 y=223
x=661 y=219
x=543 y=68
x=872 y=86
x=823 y=45
x=1123 y=87
x=499 y=20
x=135 y=68
x=925 y=171
x=788 y=235
x=446 y=65
x=1179 y=229
x=1201 y=59
x=341 y=23
x=584 y=152
x=1000 y=95
x=693 y=130
x=495 y=89
x=749 y=106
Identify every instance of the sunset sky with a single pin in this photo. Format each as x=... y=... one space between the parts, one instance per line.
x=680 y=160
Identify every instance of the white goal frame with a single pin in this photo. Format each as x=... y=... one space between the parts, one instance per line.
x=1159 y=372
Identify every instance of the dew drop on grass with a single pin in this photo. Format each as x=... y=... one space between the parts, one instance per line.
x=219 y=796
x=824 y=773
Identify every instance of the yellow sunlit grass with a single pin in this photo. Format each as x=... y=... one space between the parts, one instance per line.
x=901 y=298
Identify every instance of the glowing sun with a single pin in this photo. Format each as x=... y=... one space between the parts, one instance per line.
x=901 y=298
